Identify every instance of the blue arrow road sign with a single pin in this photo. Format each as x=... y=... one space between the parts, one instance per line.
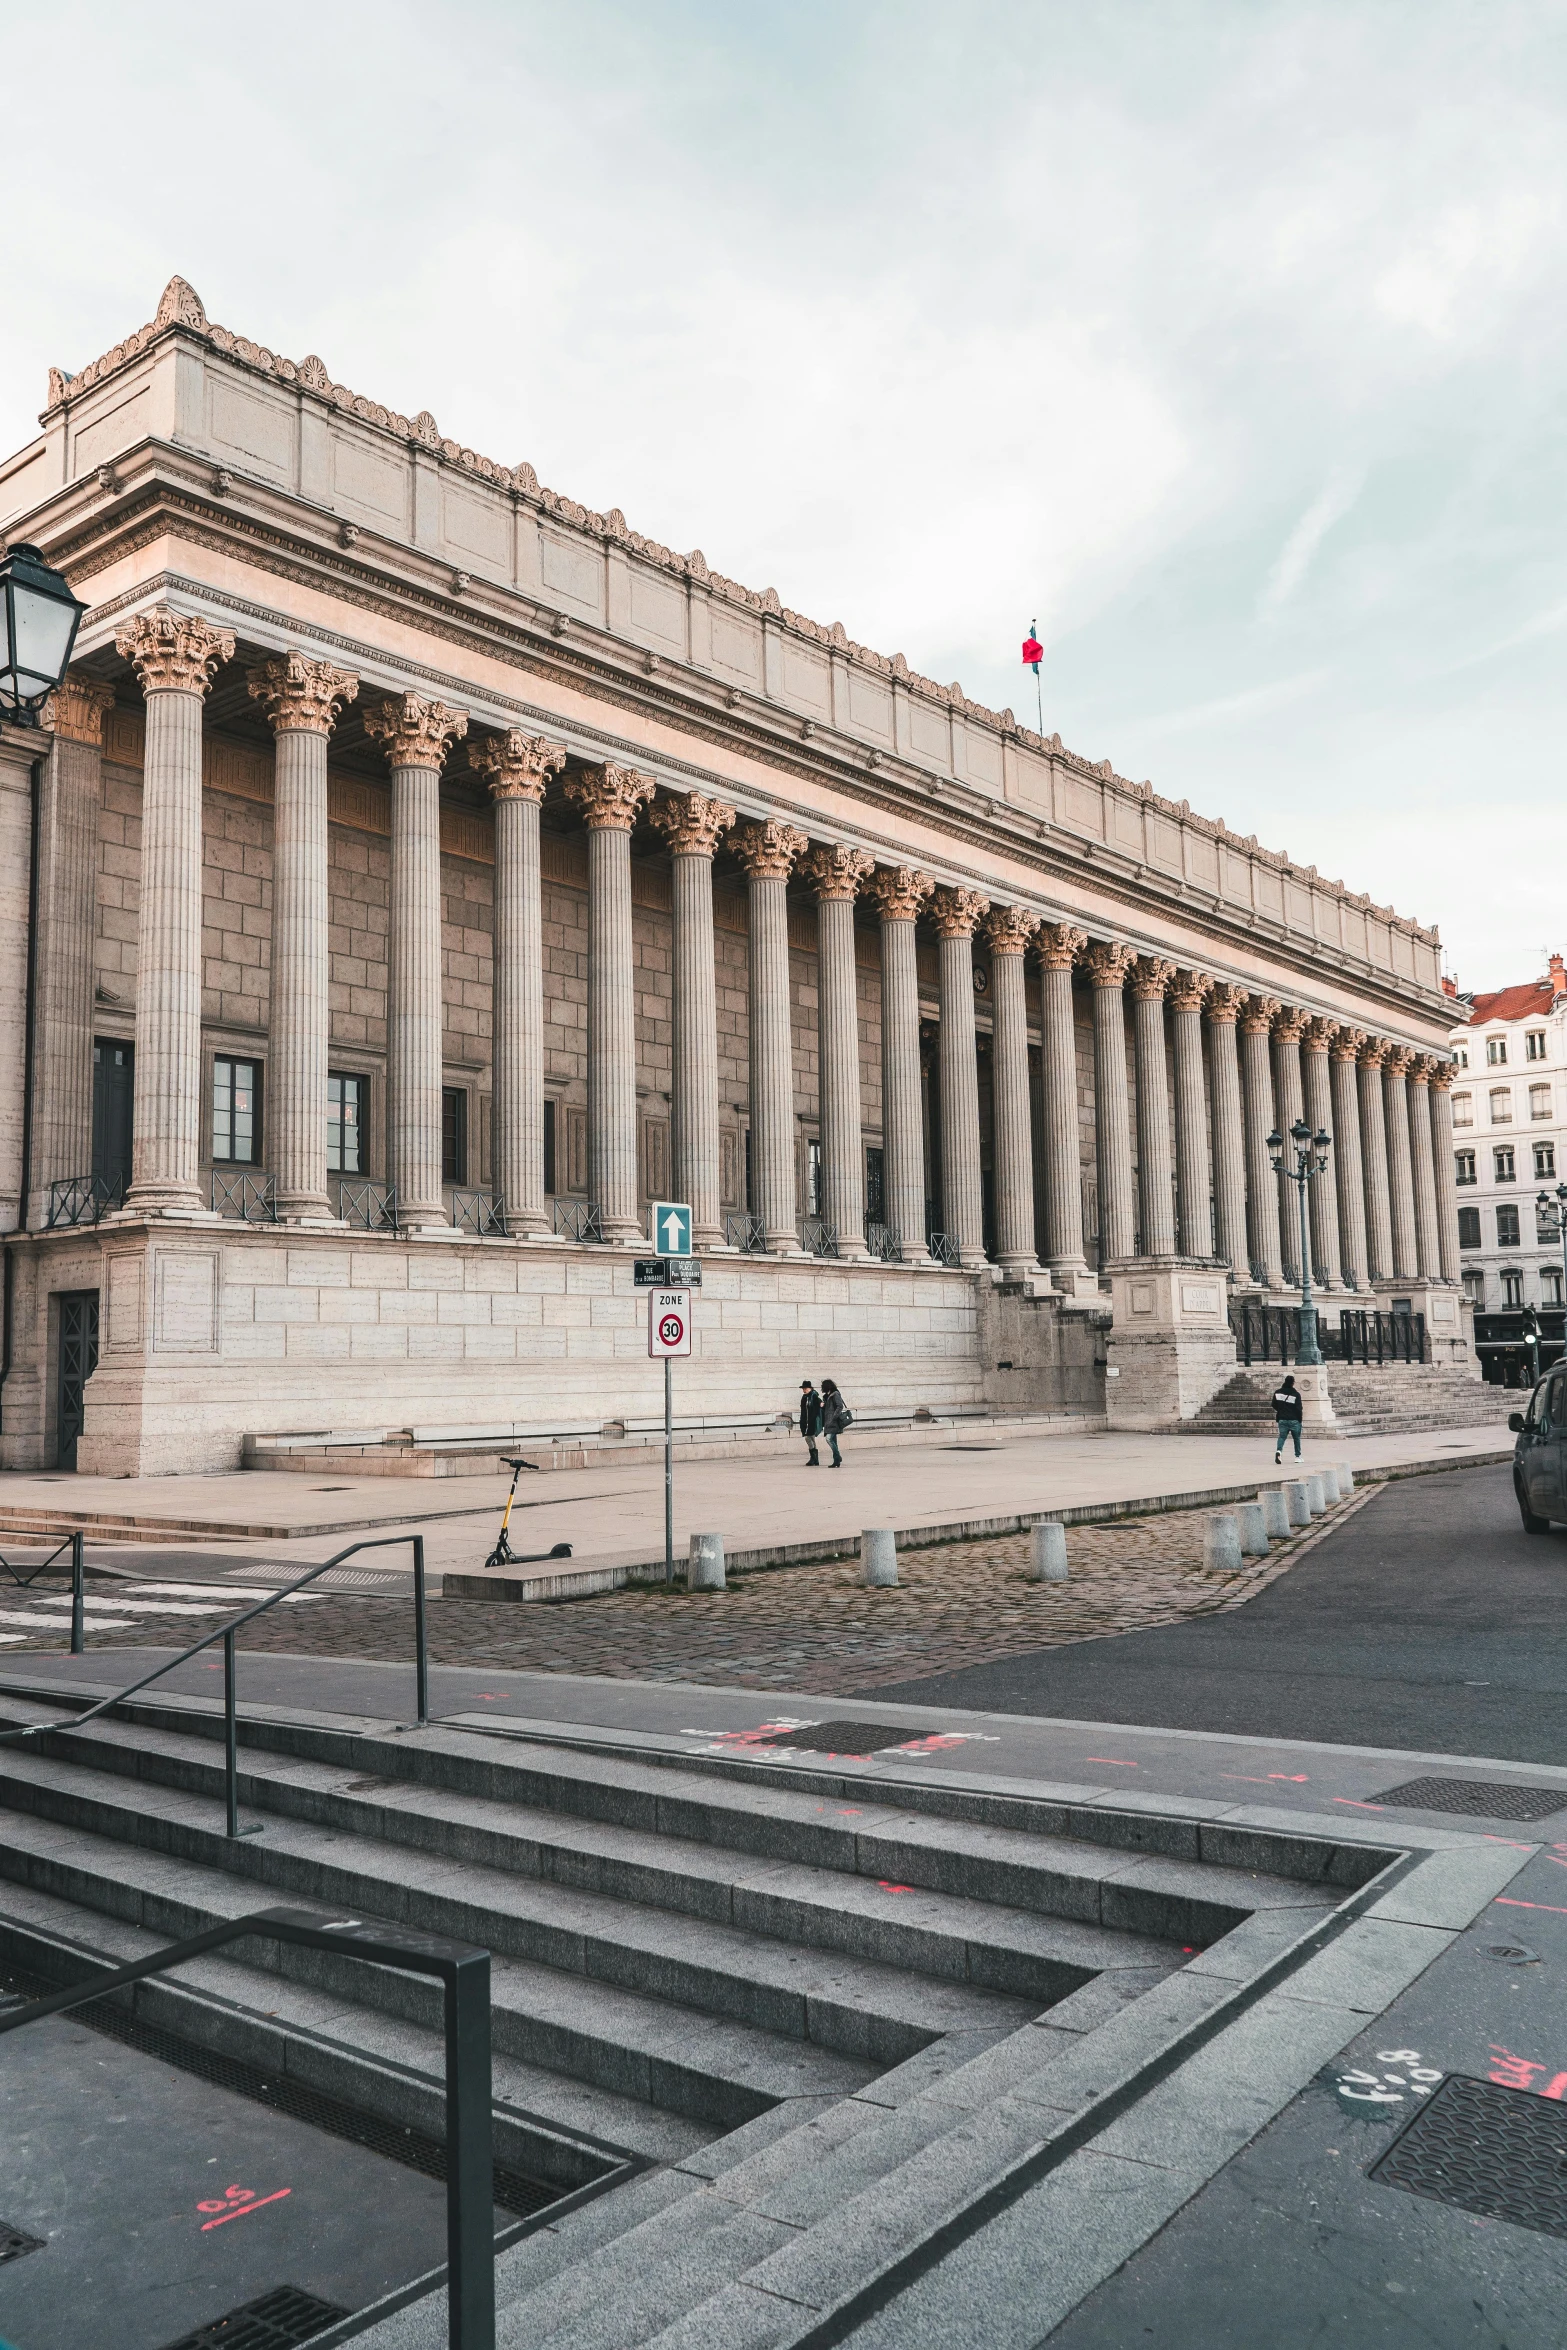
x=672 y=1228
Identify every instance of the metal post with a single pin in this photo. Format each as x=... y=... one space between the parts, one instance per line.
x=470 y=2182
x=1308 y=1351
x=669 y=1471
x=77 y=1640
x=230 y=1735
x=421 y=1653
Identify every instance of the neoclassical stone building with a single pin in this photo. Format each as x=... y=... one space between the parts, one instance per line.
x=420 y=873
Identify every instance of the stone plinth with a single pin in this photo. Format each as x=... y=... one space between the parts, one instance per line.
x=1450 y=1320
x=1170 y=1348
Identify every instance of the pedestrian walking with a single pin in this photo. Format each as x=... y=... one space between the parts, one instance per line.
x=836 y=1416
x=1287 y=1408
x=810 y=1422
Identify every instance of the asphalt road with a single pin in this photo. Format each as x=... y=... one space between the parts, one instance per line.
x=1430 y=1621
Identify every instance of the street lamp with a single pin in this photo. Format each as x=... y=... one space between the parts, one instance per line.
x=1552 y=1214
x=39 y=618
x=1311 y=1160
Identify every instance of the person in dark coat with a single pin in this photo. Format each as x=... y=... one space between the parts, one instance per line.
x=835 y=1418
x=810 y=1422
x=1287 y=1409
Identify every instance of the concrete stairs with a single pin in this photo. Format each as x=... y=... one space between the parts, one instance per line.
x=1369 y=1399
x=801 y=2017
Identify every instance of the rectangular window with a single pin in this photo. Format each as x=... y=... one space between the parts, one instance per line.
x=1501 y=1105
x=875 y=1187
x=1464 y=1166
x=1474 y=1282
x=236 y=1111
x=1546 y=1233
x=1512 y=1287
x=345 y=1124
x=1504 y=1165
x=549 y=1150
x=454 y=1134
x=1551 y=1285
x=1496 y=1051
x=1469 y=1228
x=1534 y=1045
x=1461 y=1056
x=1507 y=1235
x=1539 y=1101
x=1544 y=1160
x=1463 y=1109
x=813 y=1177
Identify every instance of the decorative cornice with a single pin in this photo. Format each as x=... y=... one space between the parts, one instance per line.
x=518 y=765
x=956 y=912
x=1259 y=1014
x=301 y=696
x=1190 y=990
x=835 y=870
x=1060 y=945
x=1007 y=930
x=610 y=796
x=1226 y=1002
x=1289 y=1024
x=1108 y=961
x=172 y=652
x=692 y=825
x=77 y=709
x=1346 y=1044
x=1151 y=977
x=899 y=891
x=769 y=851
x=416 y=732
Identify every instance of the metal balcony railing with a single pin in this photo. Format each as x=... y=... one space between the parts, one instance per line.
x=252 y=1198
x=818 y=1237
x=883 y=1242
x=746 y=1233
x=478 y=1212
x=82 y=1199
x=577 y=1219
x=943 y=1249
x=370 y=1206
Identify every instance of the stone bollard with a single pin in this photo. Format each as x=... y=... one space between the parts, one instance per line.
x=1316 y=1499
x=1221 y=1544
x=1252 y=1520
x=706 y=1569
x=1047 y=1553
x=1346 y=1480
x=1275 y=1510
x=1298 y=1502
x=879 y=1557
x=1330 y=1491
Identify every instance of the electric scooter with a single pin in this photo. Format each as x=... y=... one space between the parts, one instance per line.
x=503 y=1555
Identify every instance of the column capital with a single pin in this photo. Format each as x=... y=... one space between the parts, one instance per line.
x=956 y=912
x=1007 y=930
x=1318 y=1034
x=768 y=850
x=1109 y=961
x=1443 y=1073
x=693 y=824
x=1396 y=1062
x=1226 y=1002
x=173 y=652
x=77 y=709
x=518 y=765
x=899 y=891
x=1151 y=977
x=835 y=870
x=301 y=696
x=1190 y=990
x=1420 y=1068
x=1347 y=1044
x=1259 y=1013
x=416 y=732
x=1289 y=1024
x=610 y=796
x=1373 y=1052
x=1059 y=945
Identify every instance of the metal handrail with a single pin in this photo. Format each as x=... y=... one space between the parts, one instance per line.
x=252 y=1198
x=944 y=1250
x=372 y=1205
x=464 y=1973
x=479 y=1212
x=226 y=1632
x=82 y=1199
x=819 y=1237
x=883 y=1242
x=72 y=1543
x=747 y=1233
x=577 y=1219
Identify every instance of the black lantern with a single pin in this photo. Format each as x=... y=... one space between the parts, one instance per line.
x=39 y=618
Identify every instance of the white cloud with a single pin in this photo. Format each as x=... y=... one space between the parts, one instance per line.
x=1299 y=550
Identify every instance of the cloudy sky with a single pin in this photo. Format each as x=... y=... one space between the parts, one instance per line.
x=1226 y=341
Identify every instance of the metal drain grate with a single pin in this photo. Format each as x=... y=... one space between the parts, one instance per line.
x=1500 y=2153
x=851 y=1738
x=15 y=2241
x=1481 y=1799
x=279 y=2320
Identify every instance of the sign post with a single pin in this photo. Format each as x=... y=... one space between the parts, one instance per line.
x=668 y=1335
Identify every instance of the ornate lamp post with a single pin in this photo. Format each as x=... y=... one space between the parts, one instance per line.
x=39 y=618
x=1311 y=1161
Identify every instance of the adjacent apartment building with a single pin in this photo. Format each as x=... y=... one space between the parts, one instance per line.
x=1510 y=1140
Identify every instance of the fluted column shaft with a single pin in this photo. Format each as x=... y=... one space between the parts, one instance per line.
x=1059 y=947
x=1400 y=1165
x=836 y=873
x=1192 y=1177
x=1446 y=1172
x=1428 y=1245
x=1288 y=1106
x=898 y=895
x=518 y=767
x=1112 y=1117
x=957 y=912
x=1326 y=1247
x=610 y=798
x=692 y=827
x=1007 y=933
x=176 y=658
x=1373 y=1143
x=69 y=803
x=1229 y=1136
x=1348 y=1162
x=1155 y=1166
x=1262 y=1187
x=769 y=852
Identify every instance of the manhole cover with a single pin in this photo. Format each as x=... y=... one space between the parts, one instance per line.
x=1484 y=1799
x=854 y=1738
x=1501 y=2153
x=15 y=2241
x=278 y=2320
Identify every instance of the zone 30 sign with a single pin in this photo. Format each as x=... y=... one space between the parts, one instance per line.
x=668 y=1322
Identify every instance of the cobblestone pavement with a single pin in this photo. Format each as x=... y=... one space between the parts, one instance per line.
x=815 y=1628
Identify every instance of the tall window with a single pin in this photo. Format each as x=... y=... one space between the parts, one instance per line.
x=549 y=1150
x=1469 y=1228
x=345 y=1124
x=236 y=1111
x=1544 y=1160
x=875 y=1187
x=1539 y=1101
x=1461 y=1055
x=1534 y=1045
x=454 y=1134
x=1512 y=1287
x=1504 y=1165
x=1464 y=1166
x=1545 y=1231
x=813 y=1177
x=1507 y=1227
x=1501 y=1105
x=1496 y=1051
x=1550 y=1285
x=1463 y=1109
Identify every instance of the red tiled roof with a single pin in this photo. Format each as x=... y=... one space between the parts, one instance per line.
x=1530 y=1002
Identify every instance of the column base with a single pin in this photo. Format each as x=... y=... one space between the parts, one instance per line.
x=1074 y=1278
x=165 y=1199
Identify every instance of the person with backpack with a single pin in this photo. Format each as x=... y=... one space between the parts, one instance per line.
x=1287 y=1409
x=836 y=1416
x=810 y=1422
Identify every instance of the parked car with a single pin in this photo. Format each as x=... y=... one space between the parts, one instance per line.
x=1540 y=1455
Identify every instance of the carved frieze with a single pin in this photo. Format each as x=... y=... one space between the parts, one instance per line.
x=173 y=652
x=517 y=765
x=301 y=696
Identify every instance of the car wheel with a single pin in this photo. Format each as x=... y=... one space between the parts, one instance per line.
x=1531 y=1524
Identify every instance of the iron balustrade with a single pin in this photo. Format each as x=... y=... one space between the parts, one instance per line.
x=1271 y=1334
x=83 y=1199
x=944 y=1250
x=72 y=1543
x=577 y=1219
x=883 y=1242
x=479 y=1212
x=463 y=1971
x=252 y=1198
x=818 y=1237
x=371 y=1206
x=746 y=1233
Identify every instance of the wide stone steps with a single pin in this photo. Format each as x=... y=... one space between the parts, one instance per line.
x=1368 y=1400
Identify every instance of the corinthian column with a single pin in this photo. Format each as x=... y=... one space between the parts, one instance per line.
x=835 y=872
x=693 y=827
x=898 y=894
x=71 y=795
x=1373 y=1143
x=1326 y=1249
x=1400 y=1162
x=609 y=797
x=1151 y=976
x=1289 y=1107
x=1108 y=964
x=1446 y=1172
x=415 y=734
x=956 y=913
x=301 y=699
x=176 y=659
x=769 y=852
x=1349 y=1169
x=1007 y=933
x=1225 y=1002
x=1262 y=1186
x=1192 y=1184
x=1428 y=1245
x=519 y=767
x=1058 y=946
